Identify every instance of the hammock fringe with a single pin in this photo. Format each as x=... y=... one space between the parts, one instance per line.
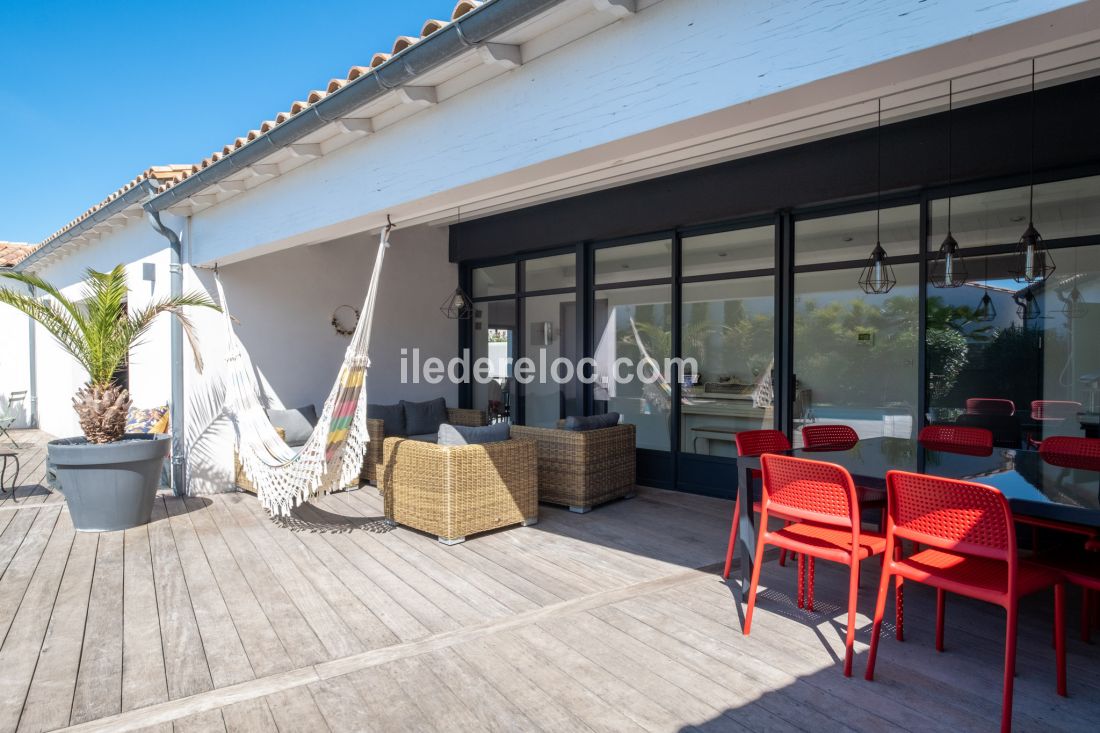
x=333 y=456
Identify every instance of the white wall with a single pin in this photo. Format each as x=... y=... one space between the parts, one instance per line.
x=640 y=84
x=59 y=376
x=284 y=303
x=14 y=358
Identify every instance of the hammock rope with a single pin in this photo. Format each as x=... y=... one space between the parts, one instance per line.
x=333 y=455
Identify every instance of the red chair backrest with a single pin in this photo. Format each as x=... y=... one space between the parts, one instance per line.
x=1054 y=409
x=953 y=439
x=948 y=514
x=1071 y=452
x=829 y=437
x=990 y=406
x=759 y=442
x=812 y=491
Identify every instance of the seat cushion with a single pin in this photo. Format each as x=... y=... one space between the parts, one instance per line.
x=957 y=573
x=591 y=422
x=298 y=423
x=392 y=417
x=422 y=418
x=469 y=435
x=147 y=421
x=425 y=437
x=828 y=540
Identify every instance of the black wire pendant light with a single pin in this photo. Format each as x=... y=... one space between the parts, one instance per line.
x=878 y=275
x=948 y=269
x=986 y=311
x=1073 y=306
x=1033 y=262
x=457 y=306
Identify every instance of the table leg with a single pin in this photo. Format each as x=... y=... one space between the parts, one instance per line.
x=746 y=532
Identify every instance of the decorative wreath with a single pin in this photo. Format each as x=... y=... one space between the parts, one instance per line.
x=341 y=328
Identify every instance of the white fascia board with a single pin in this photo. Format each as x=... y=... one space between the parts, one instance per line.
x=674 y=77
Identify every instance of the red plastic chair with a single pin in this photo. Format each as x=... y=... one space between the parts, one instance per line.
x=821 y=499
x=753 y=443
x=1054 y=410
x=1070 y=452
x=990 y=406
x=829 y=437
x=971 y=540
x=953 y=439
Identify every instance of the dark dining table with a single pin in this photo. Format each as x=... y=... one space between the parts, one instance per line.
x=1034 y=488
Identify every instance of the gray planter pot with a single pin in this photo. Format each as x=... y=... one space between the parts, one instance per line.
x=109 y=486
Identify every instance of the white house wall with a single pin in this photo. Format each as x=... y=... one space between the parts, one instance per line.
x=59 y=376
x=623 y=90
x=14 y=359
x=284 y=304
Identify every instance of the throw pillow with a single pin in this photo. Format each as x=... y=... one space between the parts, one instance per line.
x=392 y=417
x=146 y=421
x=297 y=423
x=469 y=435
x=424 y=417
x=592 y=422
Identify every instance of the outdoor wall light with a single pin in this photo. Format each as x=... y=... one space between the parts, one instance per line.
x=457 y=306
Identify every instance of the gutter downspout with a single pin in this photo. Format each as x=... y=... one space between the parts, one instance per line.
x=32 y=374
x=175 y=407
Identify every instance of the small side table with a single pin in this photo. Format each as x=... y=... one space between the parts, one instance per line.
x=6 y=456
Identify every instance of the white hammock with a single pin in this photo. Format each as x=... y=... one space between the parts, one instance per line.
x=333 y=455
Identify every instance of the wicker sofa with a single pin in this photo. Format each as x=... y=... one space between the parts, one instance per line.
x=456 y=491
x=372 y=463
x=582 y=469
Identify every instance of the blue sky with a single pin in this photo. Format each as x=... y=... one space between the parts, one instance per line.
x=93 y=93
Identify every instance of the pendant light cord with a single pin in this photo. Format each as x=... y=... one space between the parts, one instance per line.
x=950 y=135
x=878 y=175
x=1031 y=164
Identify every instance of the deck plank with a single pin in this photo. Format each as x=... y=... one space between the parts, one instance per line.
x=295 y=711
x=99 y=681
x=143 y=680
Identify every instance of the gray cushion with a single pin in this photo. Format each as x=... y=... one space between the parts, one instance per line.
x=593 y=422
x=469 y=435
x=425 y=437
x=392 y=417
x=424 y=417
x=297 y=423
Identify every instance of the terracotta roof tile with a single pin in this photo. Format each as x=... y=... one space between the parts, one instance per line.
x=158 y=174
x=12 y=253
x=400 y=44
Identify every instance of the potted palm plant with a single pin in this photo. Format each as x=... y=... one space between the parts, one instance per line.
x=109 y=477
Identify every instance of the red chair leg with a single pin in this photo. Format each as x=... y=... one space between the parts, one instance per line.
x=1060 y=636
x=940 y=608
x=801 y=580
x=1010 y=665
x=733 y=537
x=758 y=562
x=853 y=597
x=876 y=628
x=783 y=558
x=810 y=586
x=899 y=608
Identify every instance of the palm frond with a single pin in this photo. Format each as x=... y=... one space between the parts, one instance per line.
x=55 y=318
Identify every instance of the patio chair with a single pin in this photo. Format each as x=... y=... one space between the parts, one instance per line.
x=1071 y=452
x=372 y=462
x=953 y=439
x=11 y=412
x=990 y=406
x=1080 y=566
x=582 y=469
x=821 y=500
x=1054 y=410
x=971 y=539
x=753 y=443
x=453 y=491
x=829 y=437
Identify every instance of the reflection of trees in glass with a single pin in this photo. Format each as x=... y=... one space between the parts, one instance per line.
x=832 y=361
x=946 y=348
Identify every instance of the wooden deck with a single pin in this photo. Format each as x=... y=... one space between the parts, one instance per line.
x=214 y=617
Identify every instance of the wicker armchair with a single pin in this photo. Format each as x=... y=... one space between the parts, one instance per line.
x=582 y=469
x=372 y=462
x=456 y=491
